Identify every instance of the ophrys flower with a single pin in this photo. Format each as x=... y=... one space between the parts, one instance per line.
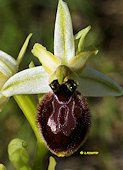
x=63 y=114
x=9 y=67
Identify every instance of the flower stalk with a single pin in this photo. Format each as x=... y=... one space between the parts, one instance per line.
x=28 y=107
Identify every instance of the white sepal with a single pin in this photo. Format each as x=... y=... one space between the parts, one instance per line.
x=29 y=81
x=64 y=47
x=95 y=84
x=8 y=64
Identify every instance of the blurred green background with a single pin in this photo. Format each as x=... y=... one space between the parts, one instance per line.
x=17 y=20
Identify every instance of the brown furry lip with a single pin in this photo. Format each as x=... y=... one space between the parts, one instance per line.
x=64 y=120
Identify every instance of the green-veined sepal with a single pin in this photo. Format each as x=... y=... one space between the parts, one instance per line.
x=29 y=81
x=8 y=65
x=64 y=47
x=95 y=84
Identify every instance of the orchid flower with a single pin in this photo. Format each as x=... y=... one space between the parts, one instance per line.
x=63 y=63
x=65 y=79
x=9 y=67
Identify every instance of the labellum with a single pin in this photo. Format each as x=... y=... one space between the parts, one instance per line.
x=63 y=118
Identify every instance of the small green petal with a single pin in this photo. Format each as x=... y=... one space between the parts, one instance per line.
x=78 y=62
x=95 y=84
x=29 y=81
x=52 y=163
x=47 y=59
x=64 y=47
x=81 y=37
x=8 y=65
x=23 y=49
x=31 y=65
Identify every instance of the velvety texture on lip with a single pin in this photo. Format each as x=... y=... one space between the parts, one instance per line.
x=64 y=121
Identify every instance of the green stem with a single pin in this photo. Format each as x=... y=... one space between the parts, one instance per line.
x=28 y=106
x=40 y=159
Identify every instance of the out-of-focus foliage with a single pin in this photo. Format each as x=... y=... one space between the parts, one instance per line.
x=17 y=20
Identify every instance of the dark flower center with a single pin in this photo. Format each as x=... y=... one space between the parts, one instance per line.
x=67 y=87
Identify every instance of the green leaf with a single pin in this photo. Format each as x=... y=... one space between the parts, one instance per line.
x=64 y=47
x=81 y=37
x=41 y=152
x=23 y=49
x=18 y=155
x=8 y=65
x=47 y=59
x=29 y=81
x=25 y=168
x=95 y=84
x=78 y=62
